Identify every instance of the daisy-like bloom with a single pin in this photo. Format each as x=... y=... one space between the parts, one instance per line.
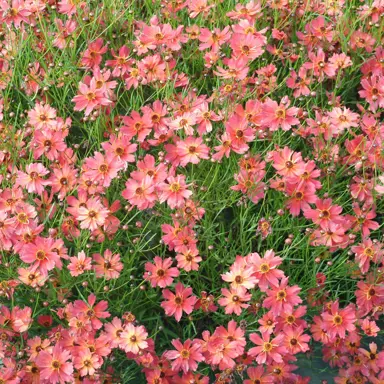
x=62 y=180
x=267 y=323
x=370 y=328
x=198 y=6
x=234 y=300
x=186 y=356
x=188 y=259
x=287 y=162
x=107 y=266
x=91 y=311
x=374 y=359
x=213 y=39
x=282 y=298
x=140 y=193
x=257 y=375
x=240 y=133
x=32 y=276
x=120 y=147
x=343 y=118
x=174 y=191
x=113 y=331
x=48 y=143
x=247 y=46
x=21 y=319
x=92 y=215
x=267 y=350
x=6 y=231
x=186 y=121
x=160 y=274
x=373 y=91
x=32 y=179
x=206 y=303
x=78 y=265
x=90 y=98
x=178 y=302
x=16 y=12
x=36 y=345
x=240 y=275
x=319 y=66
x=87 y=362
x=102 y=169
x=338 y=321
x=367 y=251
x=40 y=252
x=249 y=11
x=279 y=115
x=324 y=213
x=136 y=125
x=368 y=296
x=265 y=269
x=296 y=341
x=133 y=339
x=192 y=150
x=54 y=366
x=42 y=116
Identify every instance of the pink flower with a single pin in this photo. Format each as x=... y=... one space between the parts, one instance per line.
x=102 y=169
x=267 y=350
x=181 y=301
x=42 y=116
x=41 y=254
x=282 y=297
x=265 y=269
x=92 y=215
x=91 y=311
x=90 y=98
x=54 y=366
x=275 y=115
x=295 y=341
x=133 y=339
x=107 y=266
x=186 y=356
x=234 y=300
x=338 y=321
x=140 y=192
x=188 y=259
x=174 y=192
x=87 y=362
x=192 y=150
x=160 y=274
x=33 y=178
x=79 y=264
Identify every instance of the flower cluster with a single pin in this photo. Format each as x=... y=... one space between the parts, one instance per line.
x=191 y=191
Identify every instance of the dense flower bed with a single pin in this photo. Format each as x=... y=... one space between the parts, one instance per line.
x=191 y=191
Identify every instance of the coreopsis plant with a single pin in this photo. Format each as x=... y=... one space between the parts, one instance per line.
x=191 y=191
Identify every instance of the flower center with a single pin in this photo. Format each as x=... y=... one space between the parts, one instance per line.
x=160 y=272
x=90 y=96
x=40 y=255
x=337 y=320
x=289 y=164
x=175 y=187
x=281 y=295
x=22 y=218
